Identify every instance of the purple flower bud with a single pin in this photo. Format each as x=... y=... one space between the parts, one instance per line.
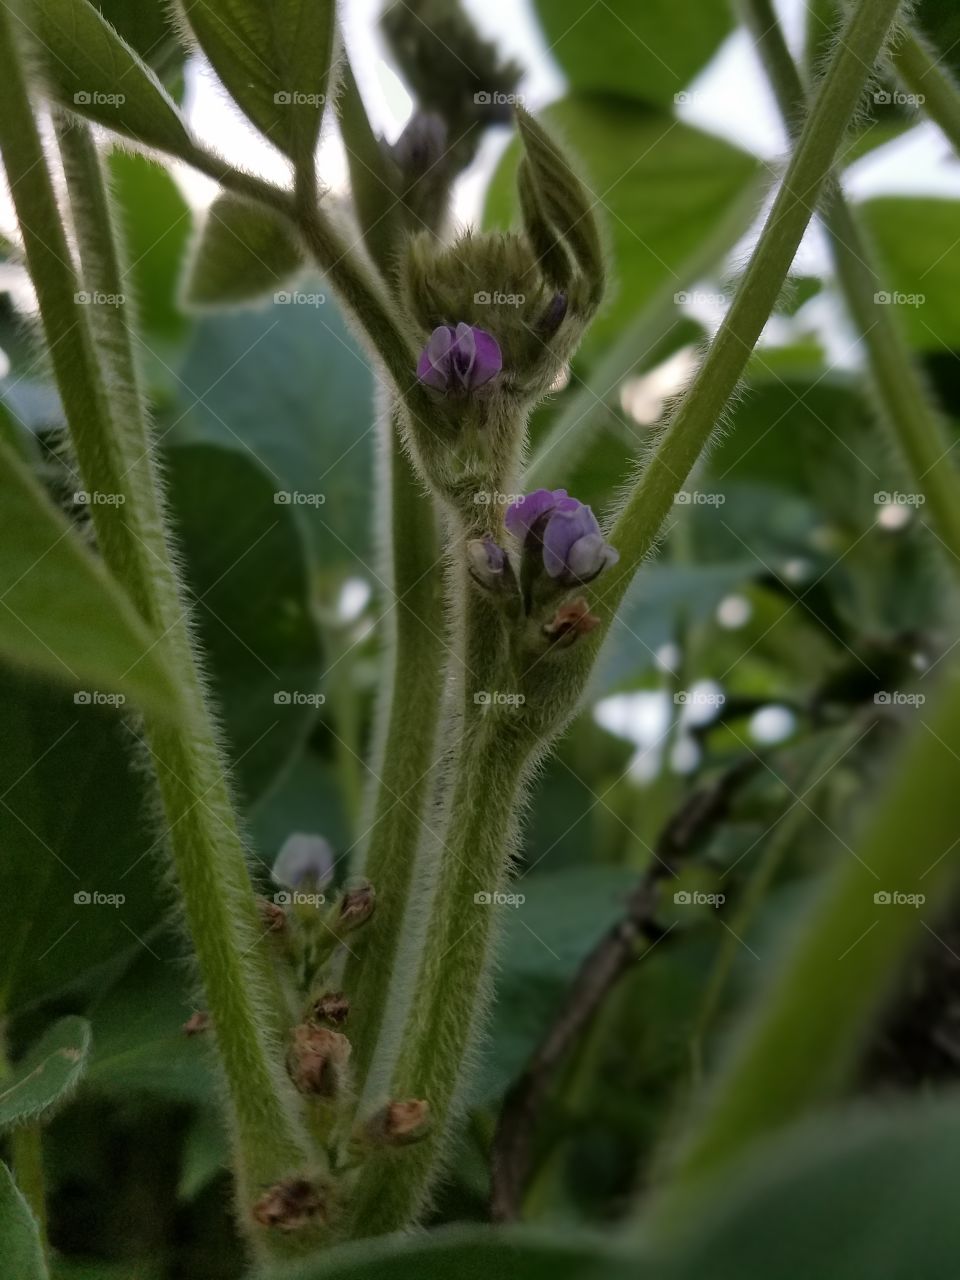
x=574 y=549
x=554 y=316
x=486 y=560
x=460 y=359
x=422 y=143
x=303 y=857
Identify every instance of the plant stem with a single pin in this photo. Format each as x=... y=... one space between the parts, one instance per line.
x=801 y=1039
x=702 y=408
x=26 y=1150
x=114 y=454
x=922 y=75
x=901 y=397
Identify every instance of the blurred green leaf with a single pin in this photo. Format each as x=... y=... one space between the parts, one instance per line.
x=146 y=26
x=247 y=575
x=854 y=1196
x=22 y=1251
x=157 y=224
x=47 y=1075
x=662 y=188
x=471 y=1253
x=63 y=614
x=290 y=386
x=244 y=252
x=90 y=70
x=74 y=834
x=649 y=51
x=939 y=20
x=275 y=61
x=919 y=257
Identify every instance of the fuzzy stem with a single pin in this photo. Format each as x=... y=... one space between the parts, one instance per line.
x=921 y=74
x=702 y=408
x=26 y=1151
x=113 y=450
x=450 y=993
x=902 y=399
x=800 y=1040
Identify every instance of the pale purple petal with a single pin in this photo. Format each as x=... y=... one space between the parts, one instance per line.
x=489 y=358
x=588 y=556
x=434 y=364
x=303 y=857
x=522 y=515
x=564 y=529
x=459 y=359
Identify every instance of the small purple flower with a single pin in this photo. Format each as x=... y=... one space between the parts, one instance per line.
x=459 y=359
x=488 y=562
x=303 y=857
x=574 y=549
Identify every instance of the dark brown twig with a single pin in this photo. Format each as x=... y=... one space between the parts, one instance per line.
x=614 y=954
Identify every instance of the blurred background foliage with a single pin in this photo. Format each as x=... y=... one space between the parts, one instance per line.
x=789 y=600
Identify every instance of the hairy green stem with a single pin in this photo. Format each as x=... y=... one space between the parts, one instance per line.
x=922 y=75
x=901 y=399
x=801 y=1039
x=638 y=526
x=26 y=1151
x=113 y=450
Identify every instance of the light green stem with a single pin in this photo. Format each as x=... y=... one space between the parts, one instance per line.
x=704 y=404
x=26 y=1150
x=902 y=399
x=803 y=1036
x=113 y=450
x=922 y=75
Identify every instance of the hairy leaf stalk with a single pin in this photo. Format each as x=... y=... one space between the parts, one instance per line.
x=902 y=400
x=922 y=74
x=112 y=445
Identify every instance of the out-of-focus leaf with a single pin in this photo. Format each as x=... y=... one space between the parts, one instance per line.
x=649 y=51
x=289 y=385
x=78 y=879
x=47 y=1075
x=919 y=256
x=307 y=798
x=146 y=27
x=62 y=612
x=939 y=20
x=90 y=70
x=247 y=573
x=546 y=936
x=22 y=1250
x=472 y=1253
x=853 y=1196
x=156 y=223
x=274 y=59
x=662 y=187
x=243 y=253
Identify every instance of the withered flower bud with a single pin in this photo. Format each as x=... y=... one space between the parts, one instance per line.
x=356 y=907
x=198 y=1022
x=272 y=915
x=399 y=1123
x=570 y=621
x=333 y=1006
x=290 y=1205
x=317 y=1060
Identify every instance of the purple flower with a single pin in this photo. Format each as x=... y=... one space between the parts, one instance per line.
x=303 y=857
x=459 y=359
x=574 y=549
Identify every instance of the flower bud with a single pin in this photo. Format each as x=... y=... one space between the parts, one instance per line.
x=562 y=534
x=272 y=915
x=198 y=1022
x=569 y=622
x=303 y=858
x=317 y=1060
x=421 y=145
x=332 y=1006
x=459 y=360
x=356 y=907
x=399 y=1123
x=290 y=1205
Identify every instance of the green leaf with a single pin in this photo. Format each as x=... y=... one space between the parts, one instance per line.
x=853 y=1196
x=246 y=570
x=275 y=61
x=939 y=20
x=289 y=385
x=919 y=257
x=471 y=1253
x=156 y=223
x=649 y=51
x=48 y=1074
x=62 y=613
x=661 y=187
x=89 y=69
x=243 y=253
x=76 y=834
x=20 y=1237
x=146 y=26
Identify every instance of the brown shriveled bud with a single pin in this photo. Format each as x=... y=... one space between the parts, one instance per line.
x=272 y=915
x=333 y=1006
x=197 y=1022
x=318 y=1060
x=356 y=907
x=399 y=1123
x=570 y=621
x=290 y=1205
